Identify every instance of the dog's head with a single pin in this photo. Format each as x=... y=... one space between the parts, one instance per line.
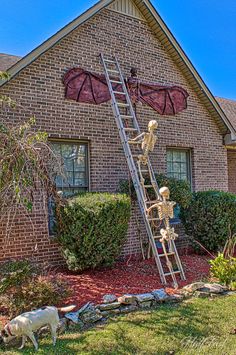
x=5 y=336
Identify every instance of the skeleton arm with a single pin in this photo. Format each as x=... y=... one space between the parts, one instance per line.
x=139 y=137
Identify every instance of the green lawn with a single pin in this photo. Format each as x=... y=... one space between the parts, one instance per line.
x=197 y=326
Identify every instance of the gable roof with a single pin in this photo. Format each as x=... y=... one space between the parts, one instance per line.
x=229 y=107
x=7 y=61
x=164 y=35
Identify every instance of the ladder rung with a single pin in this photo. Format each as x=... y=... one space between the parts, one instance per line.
x=151 y=202
x=113 y=71
x=129 y=129
x=172 y=253
x=144 y=171
x=148 y=186
x=126 y=116
x=154 y=219
x=109 y=61
x=119 y=92
x=174 y=272
x=116 y=81
x=122 y=104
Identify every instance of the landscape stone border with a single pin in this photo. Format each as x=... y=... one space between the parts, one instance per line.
x=91 y=314
x=112 y=305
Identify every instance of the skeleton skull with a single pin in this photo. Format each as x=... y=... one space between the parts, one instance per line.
x=165 y=192
x=152 y=125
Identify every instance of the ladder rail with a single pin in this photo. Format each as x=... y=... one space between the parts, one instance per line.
x=131 y=163
x=135 y=175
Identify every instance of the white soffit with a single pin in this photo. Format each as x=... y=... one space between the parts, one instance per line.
x=126 y=7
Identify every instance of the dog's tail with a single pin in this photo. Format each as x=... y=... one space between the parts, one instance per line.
x=66 y=309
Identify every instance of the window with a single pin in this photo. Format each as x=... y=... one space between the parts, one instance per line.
x=178 y=167
x=75 y=163
x=178 y=164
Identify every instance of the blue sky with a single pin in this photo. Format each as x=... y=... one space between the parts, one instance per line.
x=206 y=30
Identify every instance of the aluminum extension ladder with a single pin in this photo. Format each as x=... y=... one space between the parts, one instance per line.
x=128 y=128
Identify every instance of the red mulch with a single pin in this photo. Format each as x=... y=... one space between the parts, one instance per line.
x=127 y=277
x=132 y=277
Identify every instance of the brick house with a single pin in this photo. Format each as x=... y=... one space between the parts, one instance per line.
x=196 y=144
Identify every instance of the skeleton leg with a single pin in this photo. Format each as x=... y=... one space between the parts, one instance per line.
x=154 y=184
x=142 y=181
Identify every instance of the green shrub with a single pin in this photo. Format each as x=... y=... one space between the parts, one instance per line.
x=23 y=288
x=15 y=273
x=180 y=191
x=93 y=229
x=209 y=218
x=224 y=269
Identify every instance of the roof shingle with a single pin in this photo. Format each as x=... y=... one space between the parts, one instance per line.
x=7 y=60
x=229 y=108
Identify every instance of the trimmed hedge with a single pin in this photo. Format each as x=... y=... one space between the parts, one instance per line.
x=210 y=218
x=180 y=191
x=93 y=229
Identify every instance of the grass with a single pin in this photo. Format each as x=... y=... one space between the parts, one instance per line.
x=196 y=326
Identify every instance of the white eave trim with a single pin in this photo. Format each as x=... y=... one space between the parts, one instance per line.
x=230 y=139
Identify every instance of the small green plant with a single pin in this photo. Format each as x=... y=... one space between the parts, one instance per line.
x=209 y=217
x=23 y=287
x=93 y=229
x=223 y=267
x=232 y=285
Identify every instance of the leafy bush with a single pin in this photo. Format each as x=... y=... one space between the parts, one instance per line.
x=209 y=218
x=14 y=274
x=224 y=269
x=23 y=289
x=94 y=229
x=180 y=191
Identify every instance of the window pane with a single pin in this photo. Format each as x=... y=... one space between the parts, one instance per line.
x=183 y=168
x=74 y=158
x=176 y=156
x=169 y=155
x=178 y=164
x=183 y=157
x=177 y=167
x=169 y=167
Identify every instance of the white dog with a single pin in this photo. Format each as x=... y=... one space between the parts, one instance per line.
x=25 y=324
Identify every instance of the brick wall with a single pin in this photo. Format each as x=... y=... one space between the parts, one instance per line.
x=231 y=154
x=40 y=90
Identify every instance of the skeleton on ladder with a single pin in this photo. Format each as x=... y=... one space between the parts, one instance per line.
x=165 y=207
x=161 y=205
x=147 y=141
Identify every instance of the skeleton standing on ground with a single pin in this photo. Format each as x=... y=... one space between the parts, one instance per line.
x=147 y=141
